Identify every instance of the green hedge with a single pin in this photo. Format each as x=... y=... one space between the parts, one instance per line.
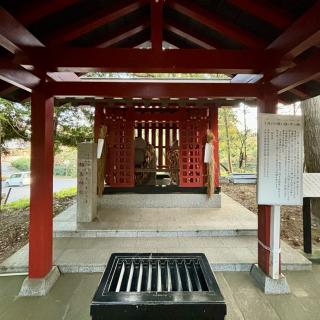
x=24 y=203
x=22 y=164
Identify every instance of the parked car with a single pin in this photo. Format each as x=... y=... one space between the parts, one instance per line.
x=18 y=179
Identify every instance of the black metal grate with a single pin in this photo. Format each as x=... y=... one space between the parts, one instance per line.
x=158 y=286
x=157 y=275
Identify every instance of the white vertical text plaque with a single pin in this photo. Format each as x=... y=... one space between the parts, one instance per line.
x=280 y=159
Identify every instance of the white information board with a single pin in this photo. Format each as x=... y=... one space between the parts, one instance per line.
x=280 y=159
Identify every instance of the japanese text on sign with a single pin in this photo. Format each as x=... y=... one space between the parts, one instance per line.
x=280 y=159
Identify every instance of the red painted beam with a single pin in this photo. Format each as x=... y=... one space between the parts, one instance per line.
x=37 y=10
x=120 y=35
x=6 y=88
x=213 y=21
x=63 y=76
x=301 y=35
x=116 y=60
x=264 y=11
x=17 y=76
x=190 y=35
x=303 y=72
x=13 y=35
x=149 y=90
x=90 y=23
x=41 y=196
x=177 y=42
x=135 y=41
x=156 y=24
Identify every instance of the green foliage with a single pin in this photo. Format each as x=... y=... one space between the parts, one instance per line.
x=17 y=205
x=65 y=193
x=25 y=203
x=14 y=121
x=66 y=162
x=22 y=164
x=236 y=137
x=72 y=125
x=131 y=75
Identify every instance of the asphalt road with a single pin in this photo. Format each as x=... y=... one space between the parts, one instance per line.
x=59 y=183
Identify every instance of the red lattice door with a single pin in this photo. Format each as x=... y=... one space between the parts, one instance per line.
x=192 y=139
x=120 y=154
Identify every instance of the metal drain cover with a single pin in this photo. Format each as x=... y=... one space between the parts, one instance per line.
x=158 y=286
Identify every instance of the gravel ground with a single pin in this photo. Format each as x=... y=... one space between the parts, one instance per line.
x=291 y=216
x=14 y=227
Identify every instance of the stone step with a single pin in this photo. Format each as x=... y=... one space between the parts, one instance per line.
x=153 y=233
x=91 y=254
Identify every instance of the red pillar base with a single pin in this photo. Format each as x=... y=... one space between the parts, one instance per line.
x=39 y=287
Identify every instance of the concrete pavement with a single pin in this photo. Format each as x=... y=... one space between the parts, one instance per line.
x=71 y=296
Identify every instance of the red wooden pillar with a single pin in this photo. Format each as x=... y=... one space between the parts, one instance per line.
x=267 y=104
x=98 y=120
x=213 y=123
x=41 y=199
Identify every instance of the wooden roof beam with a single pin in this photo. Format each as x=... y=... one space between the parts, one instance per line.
x=304 y=72
x=121 y=34
x=265 y=12
x=13 y=35
x=116 y=60
x=90 y=23
x=156 y=24
x=301 y=35
x=6 y=88
x=213 y=21
x=17 y=76
x=149 y=90
x=36 y=10
x=190 y=35
x=15 y=38
x=181 y=33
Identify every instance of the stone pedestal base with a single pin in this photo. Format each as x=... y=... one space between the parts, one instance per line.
x=39 y=287
x=267 y=284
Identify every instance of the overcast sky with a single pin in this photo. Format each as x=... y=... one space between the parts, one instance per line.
x=252 y=114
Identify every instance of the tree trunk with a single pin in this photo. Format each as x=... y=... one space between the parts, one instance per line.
x=228 y=141
x=0 y=167
x=311 y=112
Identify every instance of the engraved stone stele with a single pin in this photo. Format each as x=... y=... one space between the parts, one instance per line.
x=39 y=287
x=267 y=284
x=87 y=182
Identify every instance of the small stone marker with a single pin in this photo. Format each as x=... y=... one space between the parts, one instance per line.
x=87 y=182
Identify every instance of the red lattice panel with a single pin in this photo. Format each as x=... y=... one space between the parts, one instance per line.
x=120 y=152
x=192 y=135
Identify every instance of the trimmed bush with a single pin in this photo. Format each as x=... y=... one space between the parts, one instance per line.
x=22 y=164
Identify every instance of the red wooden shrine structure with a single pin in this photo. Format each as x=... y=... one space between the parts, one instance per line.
x=161 y=128
x=269 y=50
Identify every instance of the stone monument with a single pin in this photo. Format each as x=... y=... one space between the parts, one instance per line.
x=87 y=182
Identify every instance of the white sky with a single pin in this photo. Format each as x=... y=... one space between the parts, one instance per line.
x=252 y=114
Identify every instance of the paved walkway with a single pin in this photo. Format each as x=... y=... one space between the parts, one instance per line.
x=71 y=296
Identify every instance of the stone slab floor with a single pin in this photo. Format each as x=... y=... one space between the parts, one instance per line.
x=231 y=216
x=71 y=296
